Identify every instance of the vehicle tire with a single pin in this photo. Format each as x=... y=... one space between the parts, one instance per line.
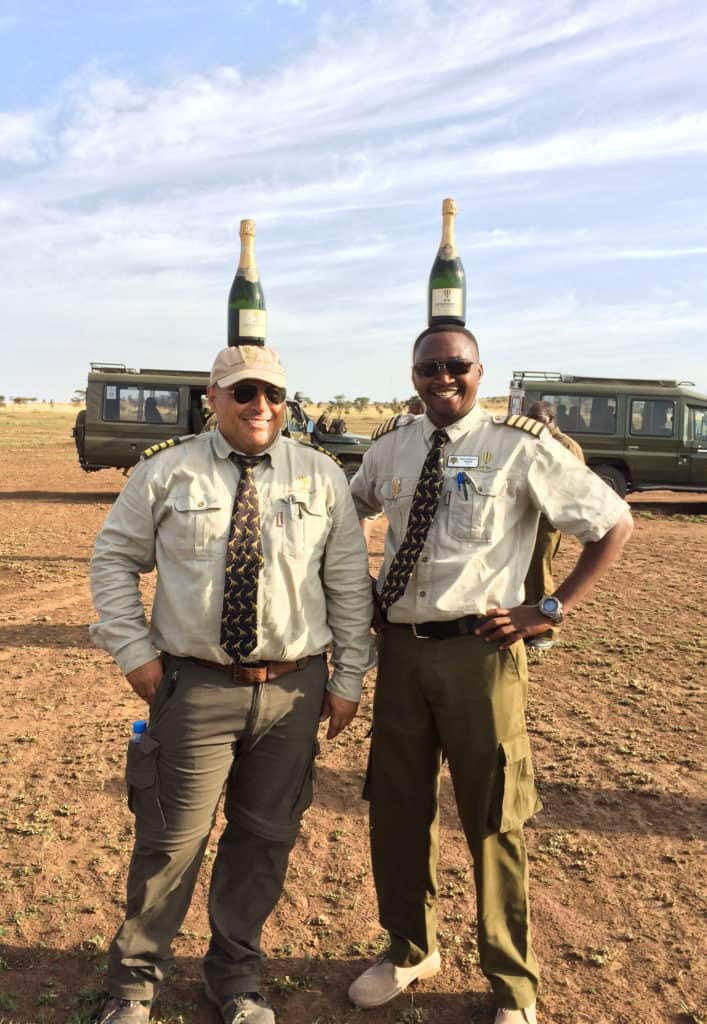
x=350 y=468
x=79 y=433
x=614 y=477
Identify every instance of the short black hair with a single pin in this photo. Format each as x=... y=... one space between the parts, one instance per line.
x=542 y=411
x=444 y=328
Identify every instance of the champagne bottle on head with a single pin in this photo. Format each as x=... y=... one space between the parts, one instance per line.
x=446 y=291
x=247 y=318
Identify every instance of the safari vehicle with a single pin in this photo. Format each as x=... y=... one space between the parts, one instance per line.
x=129 y=410
x=637 y=435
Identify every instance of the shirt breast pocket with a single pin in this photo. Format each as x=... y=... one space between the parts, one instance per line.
x=396 y=497
x=201 y=530
x=302 y=522
x=472 y=510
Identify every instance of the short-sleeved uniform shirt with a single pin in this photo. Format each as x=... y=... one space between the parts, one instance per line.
x=497 y=481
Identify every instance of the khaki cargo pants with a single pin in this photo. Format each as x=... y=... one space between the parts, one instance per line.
x=206 y=733
x=464 y=699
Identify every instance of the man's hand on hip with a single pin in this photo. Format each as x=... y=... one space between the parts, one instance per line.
x=504 y=626
x=145 y=679
x=338 y=711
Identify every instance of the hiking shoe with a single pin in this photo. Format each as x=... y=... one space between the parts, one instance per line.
x=243 y=1008
x=541 y=643
x=384 y=981
x=125 y=1011
x=526 y=1016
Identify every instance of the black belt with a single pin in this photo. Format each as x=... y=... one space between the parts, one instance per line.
x=444 y=630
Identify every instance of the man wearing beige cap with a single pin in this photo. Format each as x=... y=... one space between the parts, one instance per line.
x=261 y=568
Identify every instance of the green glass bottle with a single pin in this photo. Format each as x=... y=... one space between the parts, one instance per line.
x=247 y=318
x=446 y=291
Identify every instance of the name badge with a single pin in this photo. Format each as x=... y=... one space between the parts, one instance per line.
x=462 y=461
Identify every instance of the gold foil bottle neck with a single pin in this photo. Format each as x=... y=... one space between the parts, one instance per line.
x=246 y=264
x=447 y=246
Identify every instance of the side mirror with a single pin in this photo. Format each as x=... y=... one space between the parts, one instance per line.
x=310 y=426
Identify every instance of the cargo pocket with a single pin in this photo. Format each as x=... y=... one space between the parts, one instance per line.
x=142 y=779
x=515 y=798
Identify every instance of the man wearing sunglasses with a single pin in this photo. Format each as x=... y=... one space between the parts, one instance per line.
x=463 y=492
x=261 y=568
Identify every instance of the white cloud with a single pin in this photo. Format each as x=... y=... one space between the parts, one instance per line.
x=539 y=120
x=23 y=137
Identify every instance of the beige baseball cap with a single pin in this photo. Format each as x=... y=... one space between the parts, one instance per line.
x=247 y=362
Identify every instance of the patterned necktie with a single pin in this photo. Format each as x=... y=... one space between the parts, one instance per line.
x=244 y=560
x=425 y=501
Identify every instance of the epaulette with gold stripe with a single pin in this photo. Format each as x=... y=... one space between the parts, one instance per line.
x=401 y=419
x=163 y=445
x=324 y=451
x=526 y=423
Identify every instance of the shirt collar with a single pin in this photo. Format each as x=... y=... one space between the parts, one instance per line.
x=454 y=430
x=224 y=450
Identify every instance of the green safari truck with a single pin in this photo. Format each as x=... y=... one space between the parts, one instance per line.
x=129 y=410
x=637 y=435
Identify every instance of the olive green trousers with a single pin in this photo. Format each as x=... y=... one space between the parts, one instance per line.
x=204 y=734
x=538 y=581
x=462 y=699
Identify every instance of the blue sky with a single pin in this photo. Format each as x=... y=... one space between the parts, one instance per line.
x=134 y=137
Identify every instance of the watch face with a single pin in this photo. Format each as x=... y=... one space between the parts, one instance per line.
x=550 y=605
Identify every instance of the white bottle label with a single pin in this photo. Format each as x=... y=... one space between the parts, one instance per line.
x=252 y=323
x=447 y=302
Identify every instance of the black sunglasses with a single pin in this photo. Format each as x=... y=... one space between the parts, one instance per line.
x=436 y=367
x=244 y=393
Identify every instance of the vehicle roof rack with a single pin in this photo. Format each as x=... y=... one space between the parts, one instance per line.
x=122 y=368
x=575 y=378
x=176 y=373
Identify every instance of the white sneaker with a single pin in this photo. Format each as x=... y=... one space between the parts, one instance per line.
x=384 y=981
x=526 y=1016
x=541 y=643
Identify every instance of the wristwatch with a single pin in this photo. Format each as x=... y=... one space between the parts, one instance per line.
x=551 y=608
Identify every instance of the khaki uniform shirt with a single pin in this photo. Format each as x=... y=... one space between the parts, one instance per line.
x=175 y=514
x=497 y=481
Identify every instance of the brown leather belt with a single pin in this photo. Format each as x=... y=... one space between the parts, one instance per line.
x=256 y=672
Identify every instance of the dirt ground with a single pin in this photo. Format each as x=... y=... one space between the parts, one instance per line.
x=617 y=721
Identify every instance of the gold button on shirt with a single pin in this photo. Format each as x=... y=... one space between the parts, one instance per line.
x=497 y=481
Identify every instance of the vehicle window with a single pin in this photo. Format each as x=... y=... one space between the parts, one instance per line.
x=652 y=417
x=295 y=421
x=584 y=414
x=697 y=424
x=140 y=405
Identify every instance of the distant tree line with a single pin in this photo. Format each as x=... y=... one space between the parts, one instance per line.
x=340 y=405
